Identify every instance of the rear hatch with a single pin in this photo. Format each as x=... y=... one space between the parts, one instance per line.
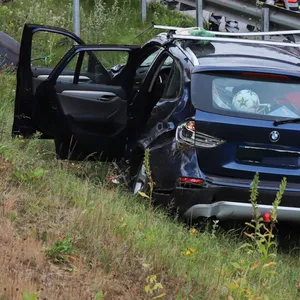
x=234 y=122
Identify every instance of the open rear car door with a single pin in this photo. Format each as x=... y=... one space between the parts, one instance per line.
x=79 y=103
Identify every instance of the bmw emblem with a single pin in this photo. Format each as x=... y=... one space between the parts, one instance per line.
x=274 y=136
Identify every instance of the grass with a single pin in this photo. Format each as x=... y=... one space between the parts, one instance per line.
x=66 y=233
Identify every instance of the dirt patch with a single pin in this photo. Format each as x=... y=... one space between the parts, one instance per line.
x=24 y=267
x=5 y=168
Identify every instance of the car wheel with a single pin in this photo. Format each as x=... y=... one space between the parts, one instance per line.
x=140 y=183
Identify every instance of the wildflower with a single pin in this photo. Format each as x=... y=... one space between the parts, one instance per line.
x=247 y=292
x=189 y=251
x=146 y=266
x=193 y=231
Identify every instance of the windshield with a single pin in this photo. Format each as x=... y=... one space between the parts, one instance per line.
x=247 y=96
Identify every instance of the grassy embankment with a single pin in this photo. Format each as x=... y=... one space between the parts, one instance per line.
x=66 y=234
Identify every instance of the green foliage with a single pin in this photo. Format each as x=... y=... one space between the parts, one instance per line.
x=61 y=250
x=28 y=296
x=13 y=15
x=262 y=236
x=12 y=216
x=150 y=181
x=99 y=295
x=278 y=199
x=253 y=277
x=29 y=176
x=253 y=199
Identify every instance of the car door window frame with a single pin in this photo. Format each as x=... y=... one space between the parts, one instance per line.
x=147 y=53
x=163 y=57
x=82 y=49
x=179 y=67
x=72 y=116
x=26 y=43
x=78 y=67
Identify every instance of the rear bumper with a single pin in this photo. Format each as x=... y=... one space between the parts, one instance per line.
x=231 y=201
x=237 y=210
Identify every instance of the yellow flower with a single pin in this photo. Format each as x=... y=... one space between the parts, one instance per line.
x=189 y=251
x=140 y=225
x=193 y=231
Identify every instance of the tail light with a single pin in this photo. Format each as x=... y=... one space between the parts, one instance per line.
x=265 y=75
x=186 y=133
x=190 y=180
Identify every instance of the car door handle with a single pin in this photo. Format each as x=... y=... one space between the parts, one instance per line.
x=106 y=98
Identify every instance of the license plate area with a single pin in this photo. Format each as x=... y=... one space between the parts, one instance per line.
x=268 y=157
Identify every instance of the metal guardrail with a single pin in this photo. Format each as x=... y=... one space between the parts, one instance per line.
x=247 y=11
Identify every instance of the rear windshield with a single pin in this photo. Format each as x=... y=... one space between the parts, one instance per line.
x=249 y=96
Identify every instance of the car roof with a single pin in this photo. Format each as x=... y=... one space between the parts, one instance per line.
x=246 y=55
x=234 y=54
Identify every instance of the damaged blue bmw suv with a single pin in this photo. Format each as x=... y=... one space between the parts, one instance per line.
x=212 y=111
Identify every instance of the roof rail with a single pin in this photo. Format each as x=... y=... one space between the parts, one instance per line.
x=232 y=40
x=283 y=32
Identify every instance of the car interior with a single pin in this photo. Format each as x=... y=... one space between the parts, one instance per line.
x=273 y=100
x=154 y=89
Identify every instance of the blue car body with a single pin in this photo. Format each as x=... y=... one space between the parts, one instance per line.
x=166 y=98
x=226 y=174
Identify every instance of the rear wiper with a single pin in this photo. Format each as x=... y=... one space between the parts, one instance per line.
x=278 y=122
